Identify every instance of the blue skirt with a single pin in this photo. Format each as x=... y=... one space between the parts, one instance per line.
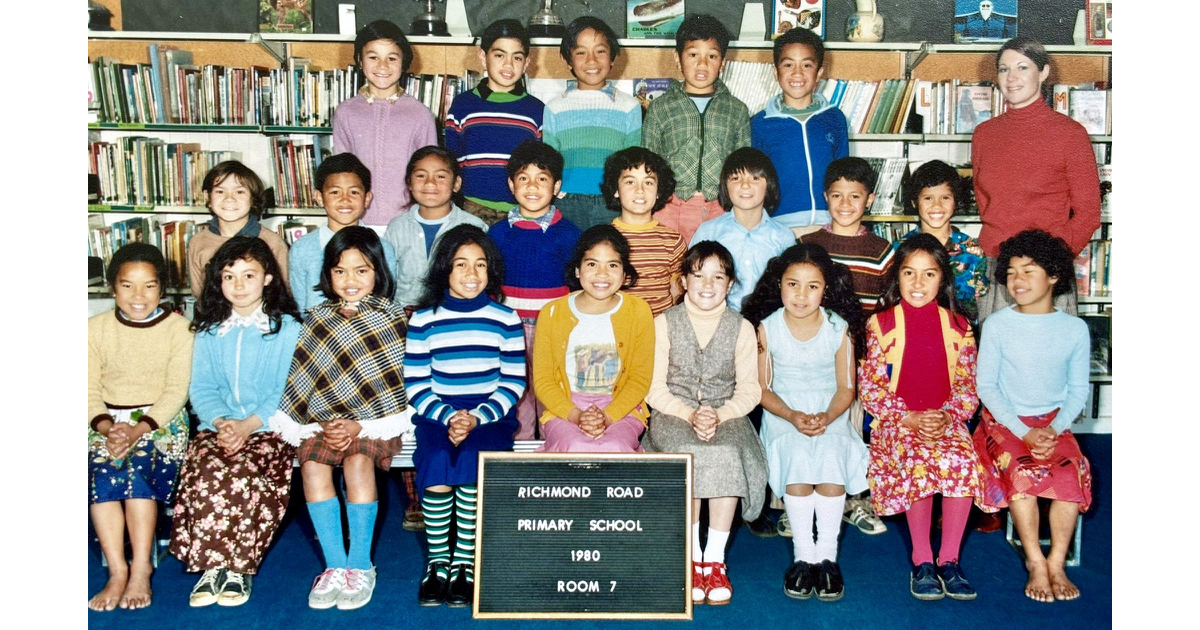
x=147 y=471
x=441 y=463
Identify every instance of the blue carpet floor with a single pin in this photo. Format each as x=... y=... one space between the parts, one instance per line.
x=875 y=568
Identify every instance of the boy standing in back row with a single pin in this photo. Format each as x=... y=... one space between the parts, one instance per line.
x=800 y=131
x=484 y=125
x=696 y=124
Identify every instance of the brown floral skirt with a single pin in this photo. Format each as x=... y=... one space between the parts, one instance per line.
x=230 y=506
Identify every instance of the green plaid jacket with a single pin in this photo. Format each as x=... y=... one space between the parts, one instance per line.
x=696 y=145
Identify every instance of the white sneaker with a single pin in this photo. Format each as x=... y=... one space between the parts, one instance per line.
x=865 y=520
x=360 y=585
x=327 y=588
x=236 y=589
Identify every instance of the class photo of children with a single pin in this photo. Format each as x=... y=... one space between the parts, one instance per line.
x=886 y=356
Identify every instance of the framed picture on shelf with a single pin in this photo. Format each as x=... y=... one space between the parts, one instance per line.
x=653 y=19
x=984 y=21
x=1099 y=22
x=789 y=14
x=285 y=16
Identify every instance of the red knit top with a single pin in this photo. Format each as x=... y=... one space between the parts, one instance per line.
x=1034 y=168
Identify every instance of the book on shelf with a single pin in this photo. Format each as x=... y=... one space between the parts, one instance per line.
x=1090 y=108
x=1092 y=269
x=294 y=161
x=890 y=231
x=647 y=89
x=890 y=173
x=1105 y=172
x=974 y=106
x=170 y=237
x=1100 y=335
x=751 y=82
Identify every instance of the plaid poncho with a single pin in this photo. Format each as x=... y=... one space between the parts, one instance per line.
x=349 y=367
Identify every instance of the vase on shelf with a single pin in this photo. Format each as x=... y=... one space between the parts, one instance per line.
x=865 y=24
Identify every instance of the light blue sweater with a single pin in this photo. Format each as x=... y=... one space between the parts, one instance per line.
x=304 y=266
x=1031 y=364
x=407 y=238
x=241 y=374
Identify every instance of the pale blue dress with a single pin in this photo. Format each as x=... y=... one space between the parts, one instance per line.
x=804 y=375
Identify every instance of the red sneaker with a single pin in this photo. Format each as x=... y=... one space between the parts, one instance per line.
x=720 y=591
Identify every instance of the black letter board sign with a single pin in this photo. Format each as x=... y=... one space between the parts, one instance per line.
x=584 y=536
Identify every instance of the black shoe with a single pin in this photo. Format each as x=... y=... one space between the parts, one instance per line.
x=800 y=581
x=954 y=582
x=829 y=582
x=434 y=589
x=763 y=526
x=462 y=587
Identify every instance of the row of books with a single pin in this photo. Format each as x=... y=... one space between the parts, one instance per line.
x=1092 y=269
x=138 y=170
x=437 y=91
x=294 y=162
x=170 y=237
x=871 y=106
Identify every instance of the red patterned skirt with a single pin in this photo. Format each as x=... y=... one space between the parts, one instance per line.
x=230 y=506
x=379 y=451
x=1011 y=472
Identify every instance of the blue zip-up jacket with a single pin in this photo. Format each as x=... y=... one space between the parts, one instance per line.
x=801 y=151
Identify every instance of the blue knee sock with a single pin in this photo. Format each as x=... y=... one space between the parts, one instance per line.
x=327 y=521
x=361 y=517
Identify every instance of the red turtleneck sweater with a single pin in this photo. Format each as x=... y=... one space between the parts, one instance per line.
x=1034 y=168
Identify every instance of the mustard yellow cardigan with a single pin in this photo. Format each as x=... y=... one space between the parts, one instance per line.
x=633 y=328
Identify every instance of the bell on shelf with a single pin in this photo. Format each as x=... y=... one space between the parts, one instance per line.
x=546 y=23
x=429 y=22
x=866 y=24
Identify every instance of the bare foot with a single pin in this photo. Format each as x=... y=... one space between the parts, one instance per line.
x=107 y=599
x=1062 y=588
x=137 y=593
x=1038 y=586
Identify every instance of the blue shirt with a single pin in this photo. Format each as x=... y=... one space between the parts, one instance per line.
x=751 y=249
x=305 y=259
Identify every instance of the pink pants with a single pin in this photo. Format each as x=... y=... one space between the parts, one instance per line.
x=686 y=215
x=564 y=436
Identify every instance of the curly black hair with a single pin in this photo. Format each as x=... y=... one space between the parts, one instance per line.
x=930 y=174
x=839 y=294
x=593 y=236
x=1047 y=251
x=929 y=244
x=211 y=306
x=630 y=158
x=441 y=263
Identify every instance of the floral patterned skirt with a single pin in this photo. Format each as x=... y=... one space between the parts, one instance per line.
x=1011 y=472
x=230 y=506
x=904 y=468
x=147 y=471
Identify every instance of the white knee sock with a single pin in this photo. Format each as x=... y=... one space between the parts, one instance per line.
x=829 y=523
x=697 y=550
x=800 y=514
x=714 y=550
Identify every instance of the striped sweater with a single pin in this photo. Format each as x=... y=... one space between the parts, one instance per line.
x=656 y=252
x=869 y=258
x=482 y=129
x=464 y=348
x=587 y=126
x=534 y=260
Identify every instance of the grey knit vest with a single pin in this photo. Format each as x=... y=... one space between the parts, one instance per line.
x=702 y=376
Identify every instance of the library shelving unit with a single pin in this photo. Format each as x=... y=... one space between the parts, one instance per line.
x=639 y=58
